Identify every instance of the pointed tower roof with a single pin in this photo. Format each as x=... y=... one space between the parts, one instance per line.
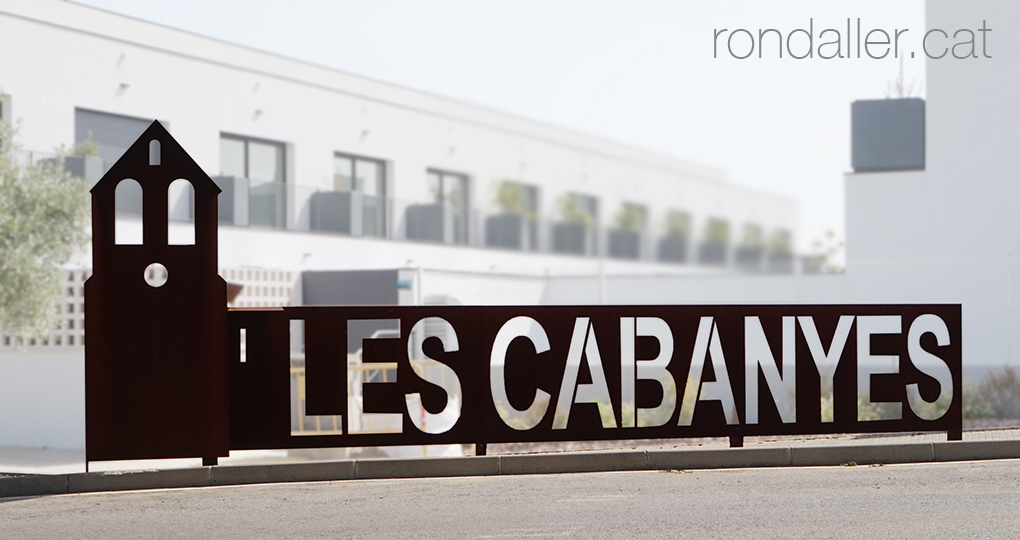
x=173 y=162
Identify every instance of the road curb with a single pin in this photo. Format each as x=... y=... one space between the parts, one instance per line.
x=719 y=458
x=547 y=463
x=283 y=472
x=973 y=450
x=573 y=462
x=862 y=454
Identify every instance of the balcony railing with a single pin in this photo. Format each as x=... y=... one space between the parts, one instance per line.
x=283 y=206
x=248 y=202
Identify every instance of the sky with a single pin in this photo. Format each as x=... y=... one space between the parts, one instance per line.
x=648 y=73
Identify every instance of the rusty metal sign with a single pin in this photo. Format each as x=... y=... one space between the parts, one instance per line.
x=155 y=353
x=170 y=372
x=521 y=374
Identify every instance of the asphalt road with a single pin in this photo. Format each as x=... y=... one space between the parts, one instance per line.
x=942 y=500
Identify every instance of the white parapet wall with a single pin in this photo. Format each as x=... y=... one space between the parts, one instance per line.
x=42 y=398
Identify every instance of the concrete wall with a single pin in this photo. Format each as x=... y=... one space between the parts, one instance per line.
x=42 y=399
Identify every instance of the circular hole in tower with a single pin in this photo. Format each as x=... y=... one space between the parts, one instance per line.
x=156 y=275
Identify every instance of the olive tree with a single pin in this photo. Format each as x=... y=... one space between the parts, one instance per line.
x=43 y=217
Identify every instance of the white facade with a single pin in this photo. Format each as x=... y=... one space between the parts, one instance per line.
x=948 y=233
x=62 y=57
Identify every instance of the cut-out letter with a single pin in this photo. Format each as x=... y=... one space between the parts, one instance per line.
x=826 y=362
x=597 y=391
x=875 y=364
x=526 y=327
x=758 y=356
x=707 y=344
x=438 y=374
x=930 y=365
x=632 y=369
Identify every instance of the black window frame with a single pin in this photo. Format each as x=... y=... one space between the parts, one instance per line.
x=247 y=156
x=383 y=165
x=462 y=232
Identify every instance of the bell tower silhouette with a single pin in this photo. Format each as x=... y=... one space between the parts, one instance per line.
x=156 y=382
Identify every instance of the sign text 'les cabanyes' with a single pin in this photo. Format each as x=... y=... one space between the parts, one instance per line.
x=503 y=374
x=170 y=372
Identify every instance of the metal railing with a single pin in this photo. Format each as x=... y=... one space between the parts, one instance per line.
x=286 y=206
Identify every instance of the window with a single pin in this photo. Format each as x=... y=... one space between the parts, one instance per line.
x=678 y=224
x=753 y=236
x=580 y=209
x=781 y=242
x=779 y=252
x=717 y=231
x=516 y=224
x=519 y=199
x=714 y=249
x=366 y=177
x=748 y=255
x=674 y=246
x=625 y=239
x=112 y=134
x=256 y=160
x=632 y=217
x=451 y=189
x=575 y=233
x=263 y=164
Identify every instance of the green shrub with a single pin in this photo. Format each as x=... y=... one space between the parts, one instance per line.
x=999 y=393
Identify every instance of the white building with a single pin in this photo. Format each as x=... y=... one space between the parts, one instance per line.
x=325 y=171
x=299 y=133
